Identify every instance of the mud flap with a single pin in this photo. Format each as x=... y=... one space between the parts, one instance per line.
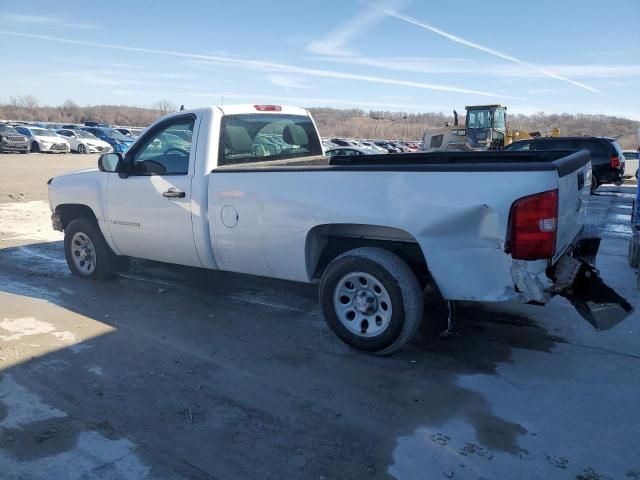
x=597 y=303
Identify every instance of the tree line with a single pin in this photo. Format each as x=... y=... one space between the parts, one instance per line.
x=332 y=122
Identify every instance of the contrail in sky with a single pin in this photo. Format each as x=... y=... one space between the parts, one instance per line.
x=482 y=48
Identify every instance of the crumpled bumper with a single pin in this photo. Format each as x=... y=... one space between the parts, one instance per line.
x=576 y=278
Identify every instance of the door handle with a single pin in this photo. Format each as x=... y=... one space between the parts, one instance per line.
x=173 y=193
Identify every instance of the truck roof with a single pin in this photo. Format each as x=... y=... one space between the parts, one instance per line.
x=482 y=107
x=254 y=108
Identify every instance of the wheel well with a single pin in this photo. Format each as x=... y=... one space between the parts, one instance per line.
x=326 y=242
x=71 y=211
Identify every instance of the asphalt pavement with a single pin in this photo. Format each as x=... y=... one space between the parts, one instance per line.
x=171 y=372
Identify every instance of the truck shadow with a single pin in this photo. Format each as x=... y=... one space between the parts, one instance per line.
x=198 y=361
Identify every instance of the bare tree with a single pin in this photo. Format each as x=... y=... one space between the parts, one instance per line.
x=24 y=101
x=164 y=106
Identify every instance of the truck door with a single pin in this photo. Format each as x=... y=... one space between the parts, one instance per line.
x=150 y=210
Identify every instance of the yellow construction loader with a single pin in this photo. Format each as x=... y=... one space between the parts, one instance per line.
x=485 y=128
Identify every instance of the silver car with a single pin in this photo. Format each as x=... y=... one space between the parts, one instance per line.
x=12 y=141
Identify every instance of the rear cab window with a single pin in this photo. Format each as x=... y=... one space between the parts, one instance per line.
x=259 y=138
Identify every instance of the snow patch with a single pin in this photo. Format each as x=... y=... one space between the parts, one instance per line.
x=65 y=337
x=27 y=221
x=23 y=327
x=23 y=407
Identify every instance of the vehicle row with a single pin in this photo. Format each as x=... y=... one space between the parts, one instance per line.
x=22 y=137
x=351 y=146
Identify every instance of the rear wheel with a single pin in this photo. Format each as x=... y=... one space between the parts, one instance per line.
x=87 y=252
x=371 y=300
x=82 y=149
x=35 y=147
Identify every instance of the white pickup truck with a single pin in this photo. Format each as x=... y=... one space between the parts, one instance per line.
x=247 y=189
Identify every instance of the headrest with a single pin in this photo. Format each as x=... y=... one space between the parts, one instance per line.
x=238 y=139
x=295 y=135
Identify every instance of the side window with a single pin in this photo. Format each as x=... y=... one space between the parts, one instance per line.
x=165 y=151
x=594 y=147
x=436 y=141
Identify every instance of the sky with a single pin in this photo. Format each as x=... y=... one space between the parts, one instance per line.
x=416 y=56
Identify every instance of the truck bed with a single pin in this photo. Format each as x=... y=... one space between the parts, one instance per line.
x=562 y=161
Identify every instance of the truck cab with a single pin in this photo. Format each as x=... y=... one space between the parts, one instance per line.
x=486 y=127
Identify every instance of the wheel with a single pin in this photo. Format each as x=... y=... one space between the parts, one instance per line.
x=594 y=184
x=82 y=149
x=35 y=147
x=24 y=151
x=634 y=252
x=371 y=300
x=87 y=252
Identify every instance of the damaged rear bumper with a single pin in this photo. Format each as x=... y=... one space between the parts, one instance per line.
x=576 y=278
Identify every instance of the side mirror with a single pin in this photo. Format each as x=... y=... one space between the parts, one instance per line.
x=109 y=162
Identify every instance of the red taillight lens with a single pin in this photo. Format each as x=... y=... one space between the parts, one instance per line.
x=615 y=162
x=268 y=108
x=534 y=222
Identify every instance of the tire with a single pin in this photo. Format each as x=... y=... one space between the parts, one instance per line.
x=82 y=149
x=594 y=184
x=348 y=284
x=83 y=242
x=634 y=252
x=35 y=147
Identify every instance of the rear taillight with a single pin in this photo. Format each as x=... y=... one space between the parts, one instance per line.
x=268 y=108
x=533 y=226
x=615 y=162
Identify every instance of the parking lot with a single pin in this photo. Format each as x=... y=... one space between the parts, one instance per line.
x=170 y=372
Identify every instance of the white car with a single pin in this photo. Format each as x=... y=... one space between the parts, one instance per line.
x=43 y=140
x=84 y=142
x=370 y=230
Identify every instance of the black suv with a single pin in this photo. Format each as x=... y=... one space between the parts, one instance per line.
x=607 y=160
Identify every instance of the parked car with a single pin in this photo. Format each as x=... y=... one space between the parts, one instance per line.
x=341 y=142
x=96 y=124
x=630 y=163
x=388 y=147
x=118 y=141
x=363 y=227
x=373 y=146
x=349 y=151
x=126 y=132
x=11 y=140
x=84 y=142
x=71 y=127
x=43 y=140
x=607 y=159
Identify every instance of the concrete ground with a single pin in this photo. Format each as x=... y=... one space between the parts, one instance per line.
x=178 y=373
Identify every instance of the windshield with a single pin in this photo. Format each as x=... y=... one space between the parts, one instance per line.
x=41 y=132
x=7 y=129
x=113 y=133
x=83 y=134
x=254 y=138
x=479 y=119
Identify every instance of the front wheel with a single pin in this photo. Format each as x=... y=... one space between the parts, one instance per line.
x=87 y=252
x=82 y=149
x=371 y=300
